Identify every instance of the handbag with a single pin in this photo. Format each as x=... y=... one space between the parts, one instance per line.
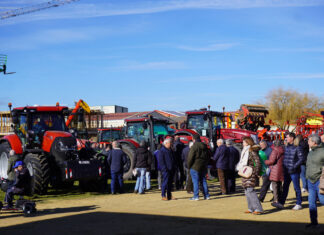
x=245 y=172
x=321 y=184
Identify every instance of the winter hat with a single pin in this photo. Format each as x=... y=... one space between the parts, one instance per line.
x=18 y=163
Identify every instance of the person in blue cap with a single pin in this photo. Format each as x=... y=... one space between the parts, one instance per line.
x=22 y=179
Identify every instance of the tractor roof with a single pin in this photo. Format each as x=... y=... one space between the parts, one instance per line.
x=145 y=119
x=202 y=111
x=42 y=108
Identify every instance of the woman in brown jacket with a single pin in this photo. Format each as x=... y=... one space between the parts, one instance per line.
x=275 y=163
x=252 y=160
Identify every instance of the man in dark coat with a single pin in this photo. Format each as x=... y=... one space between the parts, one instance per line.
x=116 y=160
x=233 y=159
x=13 y=158
x=197 y=163
x=167 y=165
x=222 y=161
x=178 y=146
x=184 y=156
x=293 y=159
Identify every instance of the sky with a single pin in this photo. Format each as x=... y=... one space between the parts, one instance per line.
x=162 y=54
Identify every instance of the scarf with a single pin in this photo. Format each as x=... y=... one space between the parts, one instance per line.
x=244 y=158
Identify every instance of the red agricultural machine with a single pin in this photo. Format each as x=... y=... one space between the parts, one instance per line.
x=49 y=150
x=251 y=117
x=310 y=123
x=151 y=129
x=210 y=126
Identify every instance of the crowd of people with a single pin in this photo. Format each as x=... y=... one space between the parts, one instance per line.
x=180 y=166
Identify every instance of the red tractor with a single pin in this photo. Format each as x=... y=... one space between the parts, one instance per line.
x=49 y=151
x=152 y=130
x=210 y=126
x=310 y=123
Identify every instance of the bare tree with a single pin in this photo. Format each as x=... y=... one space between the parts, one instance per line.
x=285 y=106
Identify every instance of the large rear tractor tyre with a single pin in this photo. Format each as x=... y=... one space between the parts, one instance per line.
x=129 y=166
x=39 y=171
x=4 y=156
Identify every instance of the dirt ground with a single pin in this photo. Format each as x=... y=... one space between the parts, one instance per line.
x=147 y=214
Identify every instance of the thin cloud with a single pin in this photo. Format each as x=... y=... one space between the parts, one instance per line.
x=79 y=10
x=212 y=47
x=311 y=50
x=156 y=65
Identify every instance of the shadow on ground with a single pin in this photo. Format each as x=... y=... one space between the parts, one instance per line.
x=126 y=223
x=50 y=211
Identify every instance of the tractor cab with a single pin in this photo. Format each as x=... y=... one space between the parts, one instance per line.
x=31 y=123
x=206 y=123
x=150 y=129
x=108 y=135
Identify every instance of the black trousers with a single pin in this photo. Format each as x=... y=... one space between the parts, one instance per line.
x=264 y=188
x=231 y=177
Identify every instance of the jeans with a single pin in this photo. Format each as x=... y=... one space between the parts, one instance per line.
x=167 y=178
x=116 y=178
x=253 y=200
x=303 y=176
x=295 y=178
x=148 y=180
x=313 y=195
x=199 y=177
x=139 y=186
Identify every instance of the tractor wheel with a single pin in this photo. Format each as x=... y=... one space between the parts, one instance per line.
x=4 y=156
x=39 y=171
x=128 y=168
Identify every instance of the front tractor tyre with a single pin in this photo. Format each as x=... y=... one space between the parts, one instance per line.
x=4 y=156
x=39 y=171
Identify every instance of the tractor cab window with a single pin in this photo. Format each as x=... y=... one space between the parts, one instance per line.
x=41 y=122
x=21 y=128
x=198 y=123
x=138 y=132
x=110 y=135
x=161 y=129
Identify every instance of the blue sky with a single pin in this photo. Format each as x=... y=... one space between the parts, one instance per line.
x=171 y=55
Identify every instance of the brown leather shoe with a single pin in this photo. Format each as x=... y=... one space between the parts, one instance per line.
x=164 y=199
x=247 y=212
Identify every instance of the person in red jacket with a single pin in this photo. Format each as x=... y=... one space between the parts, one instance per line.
x=276 y=177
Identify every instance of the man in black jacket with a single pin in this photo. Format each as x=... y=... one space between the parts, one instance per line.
x=116 y=160
x=293 y=159
x=178 y=146
x=142 y=161
x=233 y=157
x=22 y=179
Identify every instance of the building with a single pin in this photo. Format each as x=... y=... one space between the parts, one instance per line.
x=110 y=109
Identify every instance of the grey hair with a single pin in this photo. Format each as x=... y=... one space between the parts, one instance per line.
x=12 y=152
x=116 y=144
x=315 y=138
x=220 y=141
x=168 y=140
x=229 y=142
